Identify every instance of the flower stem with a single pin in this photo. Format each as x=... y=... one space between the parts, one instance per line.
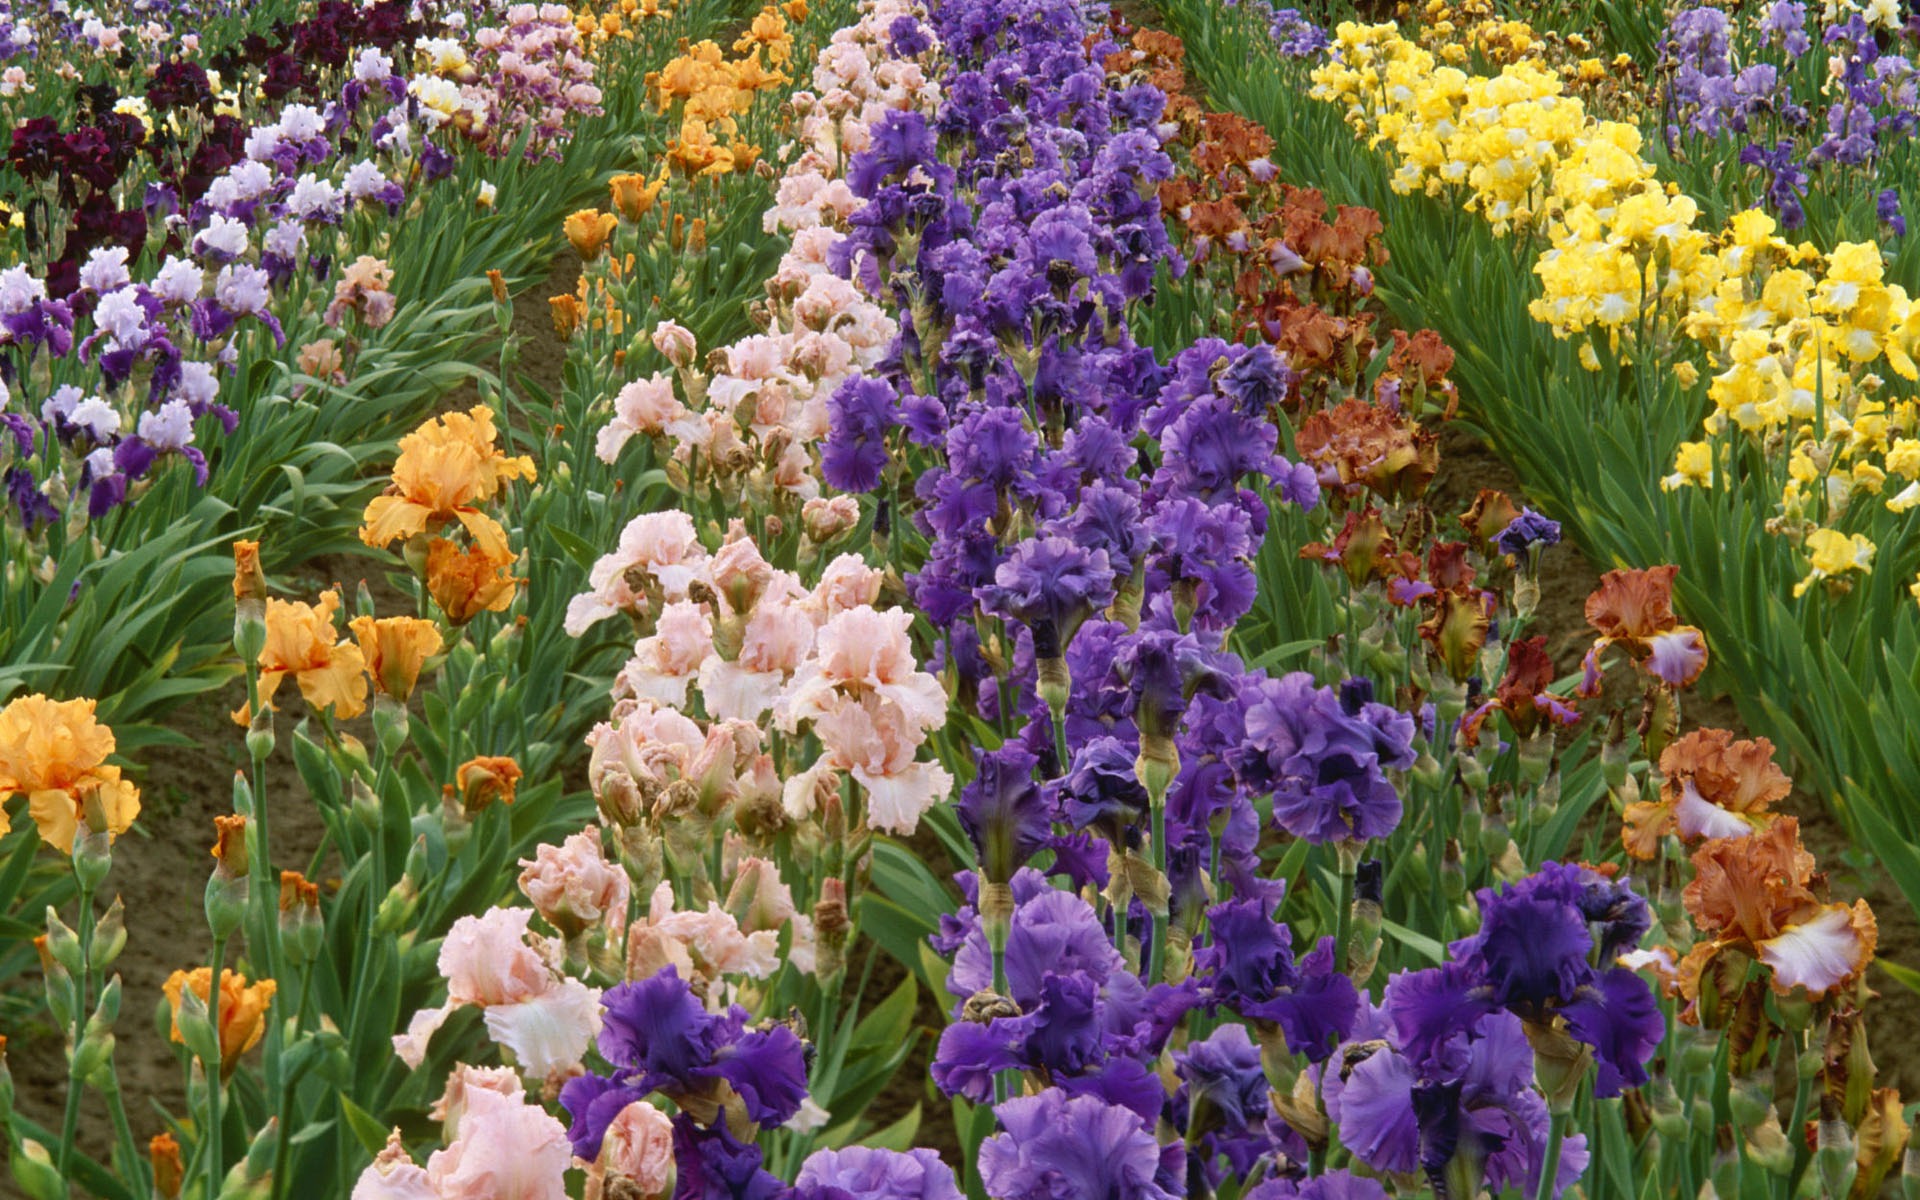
x=1343 y=918
x=1550 y=1161
x=1157 y=954
x=70 y=1122
x=215 y=1079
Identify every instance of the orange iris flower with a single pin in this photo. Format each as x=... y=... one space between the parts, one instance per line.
x=54 y=753
x=1760 y=894
x=465 y=583
x=447 y=468
x=303 y=642
x=396 y=648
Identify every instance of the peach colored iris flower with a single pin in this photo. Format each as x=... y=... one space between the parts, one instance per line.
x=243 y=1009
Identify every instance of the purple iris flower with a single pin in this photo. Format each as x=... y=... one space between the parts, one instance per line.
x=661 y=1038
x=1052 y=1147
x=878 y=1174
x=1051 y=585
x=859 y=414
x=1526 y=532
x=1337 y=1184
x=1323 y=765
x=1248 y=965
x=1004 y=811
x=1546 y=946
x=1471 y=1099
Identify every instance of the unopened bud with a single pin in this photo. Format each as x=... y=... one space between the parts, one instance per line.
x=34 y=1171
x=260 y=734
x=1834 y=1151
x=109 y=935
x=169 y=1172
x=62 y=944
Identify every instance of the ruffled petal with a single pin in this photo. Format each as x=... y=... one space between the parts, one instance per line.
x=1822 y=953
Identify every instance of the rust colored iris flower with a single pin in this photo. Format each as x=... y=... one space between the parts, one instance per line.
x=1713 y=787
x=1633 y=609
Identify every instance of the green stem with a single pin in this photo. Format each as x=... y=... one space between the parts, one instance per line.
x=1801 y=1095
x=282 y=1149
x=216 y=1080
x=1343 y=919
x=1550 y=1162
x=70 y=1122
x=132 y=1166
x=1157 y=953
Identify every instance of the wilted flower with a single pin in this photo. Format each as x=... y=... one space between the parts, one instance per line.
x=243 y=1009
x=486 y=778
x=1522 y=694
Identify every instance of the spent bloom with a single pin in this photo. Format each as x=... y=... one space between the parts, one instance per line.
x=243 y=1008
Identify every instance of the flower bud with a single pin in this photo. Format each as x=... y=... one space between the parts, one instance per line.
x=1615 y=753
x=1834 y=1151
x=831 y=924
x=390 y=724
x=1749 y=1100
x=230 y=854
x=364 y=805
x=260 y=735
x=109 y=935
x=1426 y=770
x=1363 y=948
x=93 y=843
x=394 y=910
x=61 y=944
x=250 y=603
x=94 y=1051
x=34 y=1171
x=1560 y=1062
x=1669 y=1118
x=301 y=927
x=193 y=1026
x=1767 y=1145
x=676 y=343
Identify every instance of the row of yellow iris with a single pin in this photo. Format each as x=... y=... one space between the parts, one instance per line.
x=1793 y=337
